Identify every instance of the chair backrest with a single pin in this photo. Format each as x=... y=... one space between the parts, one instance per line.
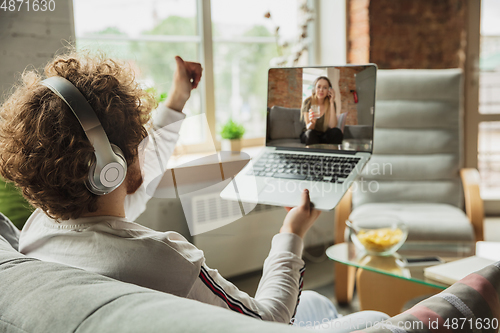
x=417 y=139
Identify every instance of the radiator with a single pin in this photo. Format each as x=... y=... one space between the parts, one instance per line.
x=238 y=247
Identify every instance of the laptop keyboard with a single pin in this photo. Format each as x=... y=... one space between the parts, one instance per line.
x=331 y=169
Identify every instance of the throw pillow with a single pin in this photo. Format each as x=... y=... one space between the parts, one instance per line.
x=341 y=119
x=470 y=305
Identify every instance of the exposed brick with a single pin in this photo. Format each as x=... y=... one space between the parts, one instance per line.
x=285 y=88
x=407 y=33
x=358 y=33
x=359 y=4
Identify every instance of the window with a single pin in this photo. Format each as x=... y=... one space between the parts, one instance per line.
x=310 y=75
x=489 y=100
x=244 y=44
x=147 y=34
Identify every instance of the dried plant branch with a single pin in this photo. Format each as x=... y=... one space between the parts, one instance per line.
x=299 y=45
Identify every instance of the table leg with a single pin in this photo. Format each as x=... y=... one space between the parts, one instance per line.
x=345 y=276
x=386 y=293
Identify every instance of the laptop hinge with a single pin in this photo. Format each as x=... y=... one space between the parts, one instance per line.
x=325 y=151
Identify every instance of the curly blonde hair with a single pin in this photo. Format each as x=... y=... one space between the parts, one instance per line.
x=43 y=148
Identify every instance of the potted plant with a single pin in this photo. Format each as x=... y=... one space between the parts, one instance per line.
x=231 y=134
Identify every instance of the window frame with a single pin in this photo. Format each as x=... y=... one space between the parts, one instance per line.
x=472 y=116
x=205 y=42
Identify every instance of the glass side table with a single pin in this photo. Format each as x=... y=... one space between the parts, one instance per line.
x=385 y=286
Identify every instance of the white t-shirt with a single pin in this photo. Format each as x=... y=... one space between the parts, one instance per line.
x=164 y=261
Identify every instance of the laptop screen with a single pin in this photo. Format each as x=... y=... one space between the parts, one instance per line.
x=321 y=108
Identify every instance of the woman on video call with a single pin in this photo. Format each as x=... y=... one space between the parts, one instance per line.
x=321 y=127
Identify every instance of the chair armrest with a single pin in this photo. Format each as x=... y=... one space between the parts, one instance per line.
x=342 y=212
x=473 y=203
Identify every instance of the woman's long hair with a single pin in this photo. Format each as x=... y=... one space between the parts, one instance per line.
x=326 y=102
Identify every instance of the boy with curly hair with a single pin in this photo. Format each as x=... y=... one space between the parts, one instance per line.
x=45 y=152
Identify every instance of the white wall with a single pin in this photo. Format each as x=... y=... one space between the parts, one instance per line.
x=239 y=247
x=31 y=38
x=331 y=31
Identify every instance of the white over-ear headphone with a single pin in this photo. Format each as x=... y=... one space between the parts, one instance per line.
x=110 y=167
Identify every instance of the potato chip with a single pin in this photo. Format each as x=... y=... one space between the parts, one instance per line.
x=380 y=240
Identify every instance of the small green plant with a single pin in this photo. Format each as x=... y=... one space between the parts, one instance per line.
x=232 y=130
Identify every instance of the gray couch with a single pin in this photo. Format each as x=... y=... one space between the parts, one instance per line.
x=37 y=296
x=285 y=127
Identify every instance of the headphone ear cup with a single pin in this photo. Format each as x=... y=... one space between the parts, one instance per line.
x=118 y=152
x=120 y=159
x=99 y=188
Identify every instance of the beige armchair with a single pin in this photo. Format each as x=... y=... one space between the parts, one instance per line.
x=418 y=131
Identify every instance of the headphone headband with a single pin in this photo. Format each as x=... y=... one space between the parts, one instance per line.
x=110 y=167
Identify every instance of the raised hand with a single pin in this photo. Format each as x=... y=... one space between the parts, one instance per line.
x=331 y=95
x=187 y=76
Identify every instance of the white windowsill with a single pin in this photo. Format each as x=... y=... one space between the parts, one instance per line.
x=176 y=161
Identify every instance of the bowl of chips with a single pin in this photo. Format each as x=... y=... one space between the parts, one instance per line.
x=381 y=236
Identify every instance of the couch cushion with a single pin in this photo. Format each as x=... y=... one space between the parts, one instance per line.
x=426 y=222
x=38 y=296
x=358 y=132
x=341 y=120
x=7 y=253
x=286 y=143
x=285 y=123
x=9 y=232
x=152 y=312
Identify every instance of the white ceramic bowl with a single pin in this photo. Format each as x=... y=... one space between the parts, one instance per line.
x=385 y=239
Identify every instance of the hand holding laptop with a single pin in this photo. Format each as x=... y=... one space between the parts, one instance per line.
x=299 y=219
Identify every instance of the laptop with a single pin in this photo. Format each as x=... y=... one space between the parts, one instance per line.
x=324 y=161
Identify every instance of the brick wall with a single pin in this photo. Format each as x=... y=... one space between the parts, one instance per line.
x=347 y=82
x=285 y=88
x=407 y=33
x=358 y=37
x=31 y=38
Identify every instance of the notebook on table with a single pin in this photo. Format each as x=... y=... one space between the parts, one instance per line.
x=454 y=271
